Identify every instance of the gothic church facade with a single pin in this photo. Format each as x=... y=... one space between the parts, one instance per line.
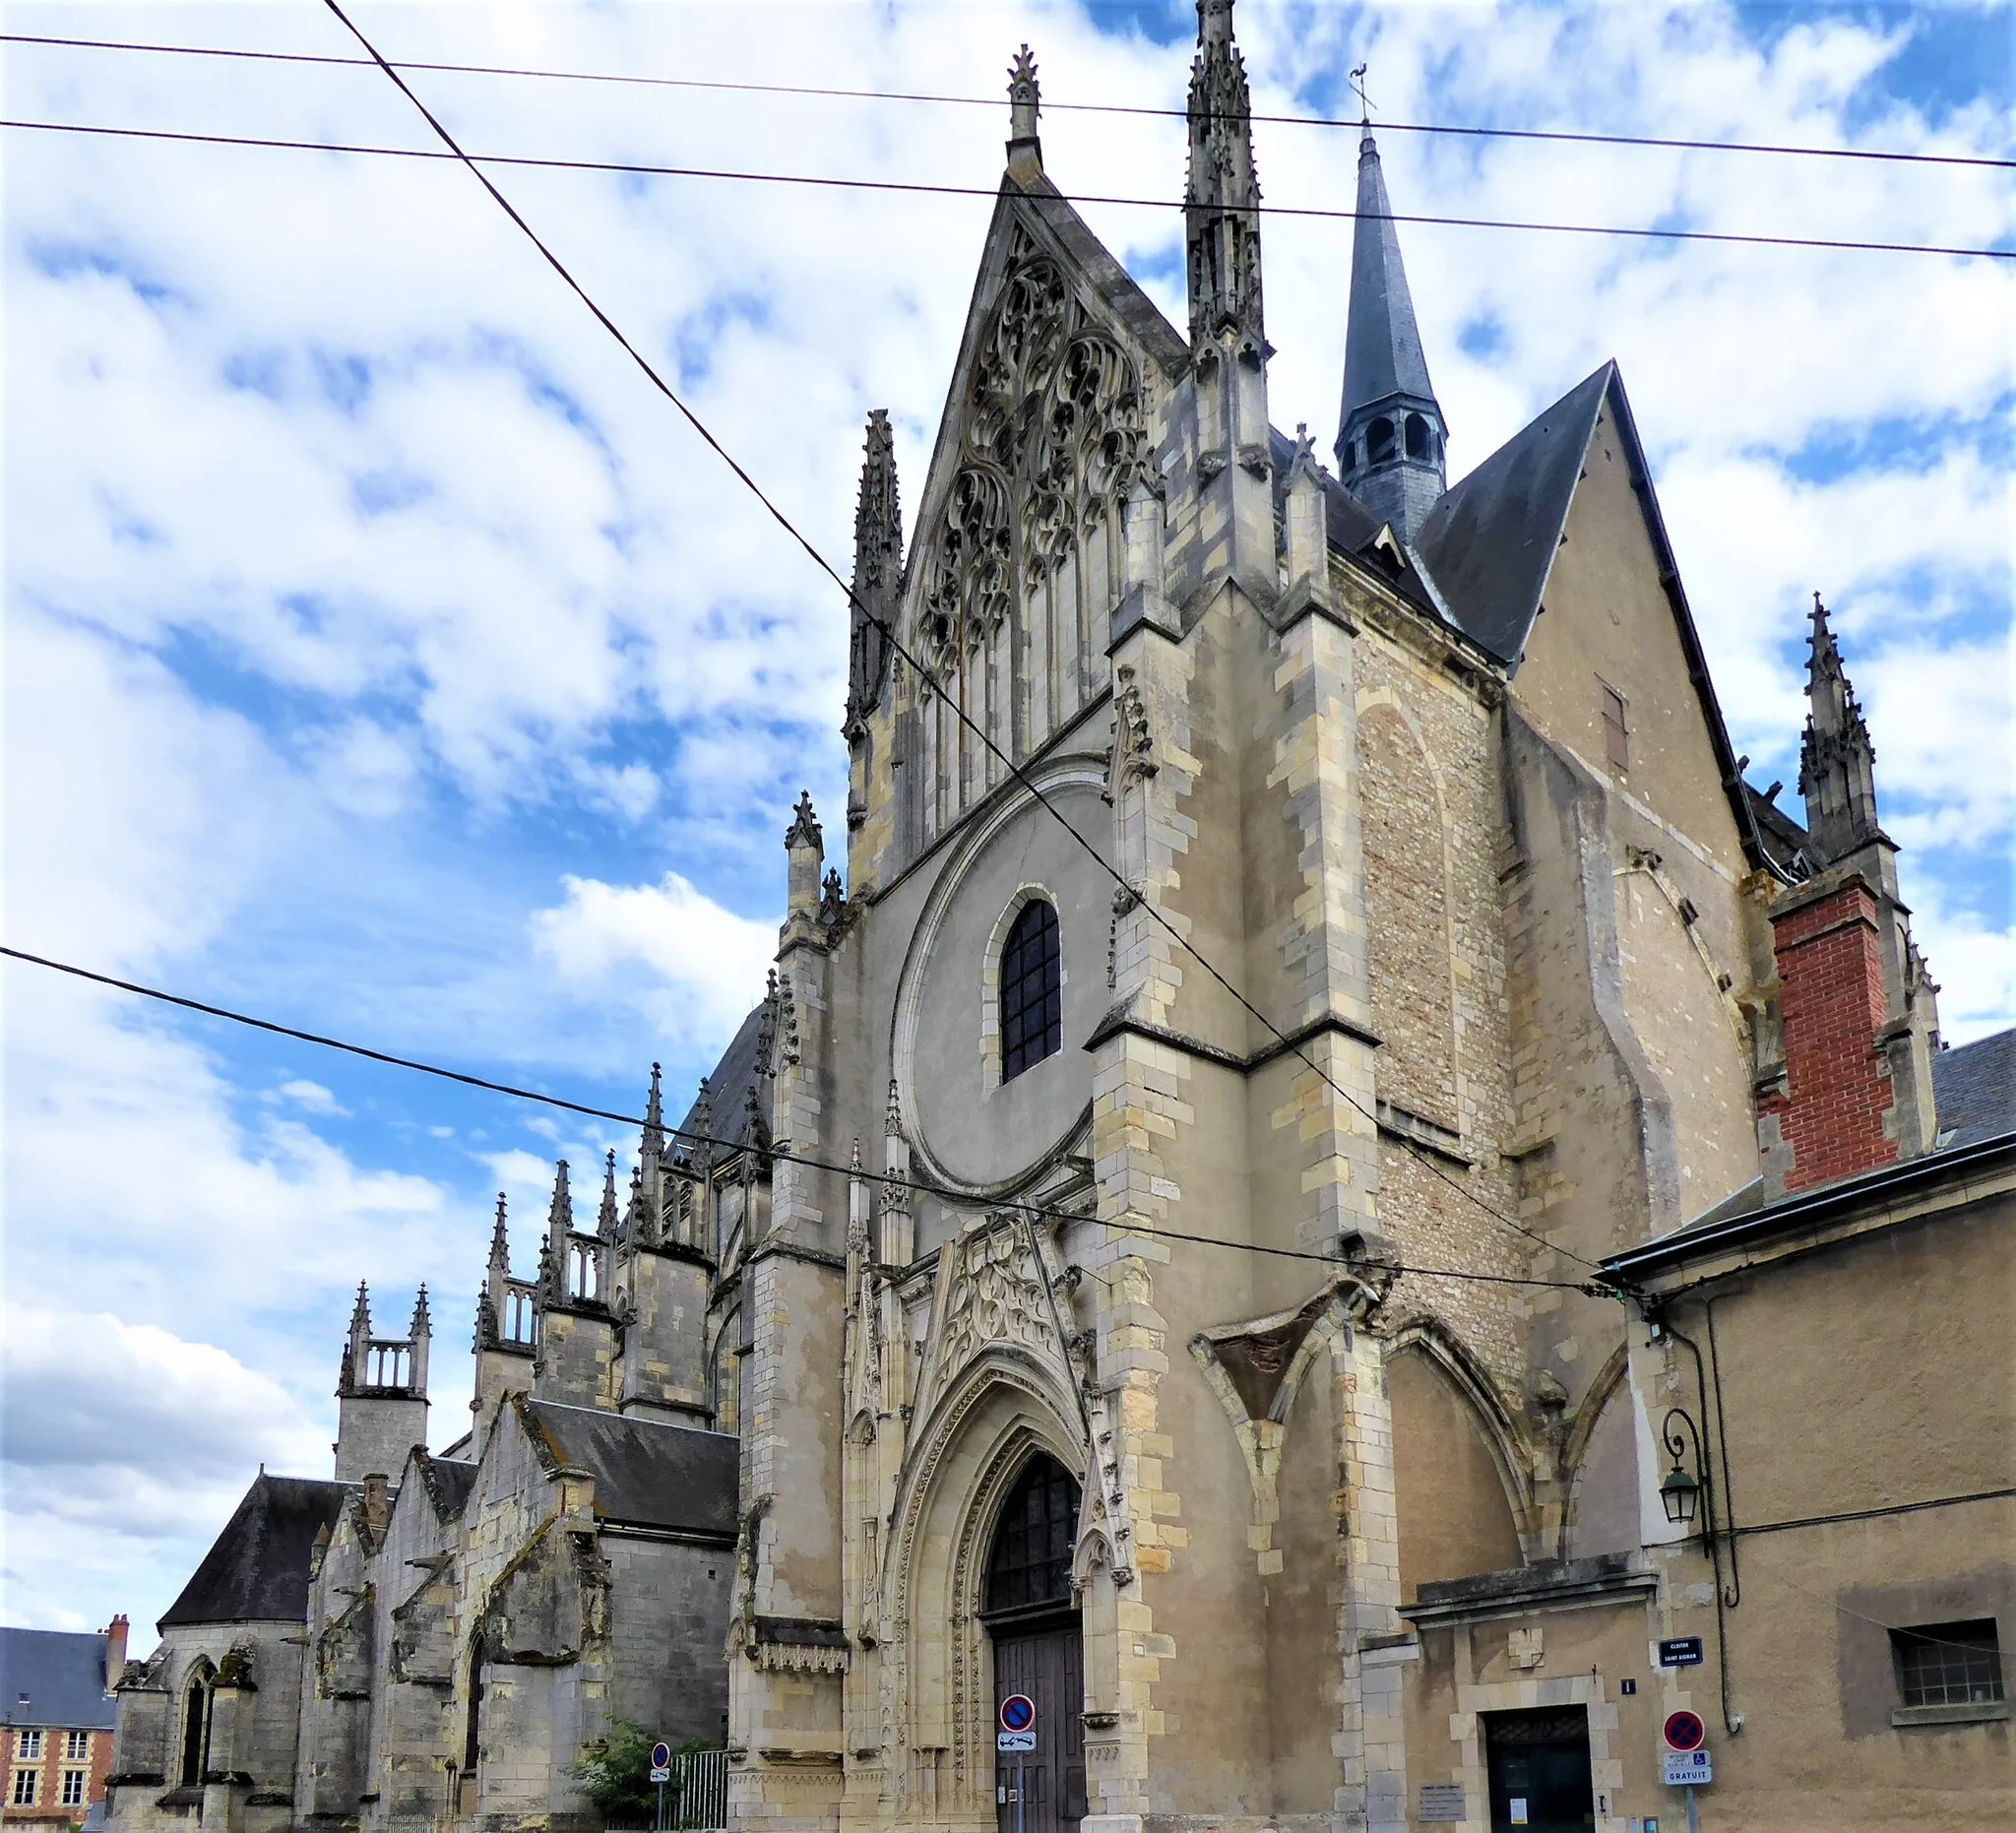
x=1297 y=923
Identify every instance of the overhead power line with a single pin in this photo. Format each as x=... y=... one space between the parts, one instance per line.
x=1554 y=135
x=629 y=168
x=785 y=1155
x=896 y=646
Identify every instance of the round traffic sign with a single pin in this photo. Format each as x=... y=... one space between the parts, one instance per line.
x=661 y=1755
x=1018 y=1713
x=1685 y=1730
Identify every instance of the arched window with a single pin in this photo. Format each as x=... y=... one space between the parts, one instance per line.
x=1031 y=989
x=1420 y=445
x=1379 y=442
x=196 y=1726
x=472 y=1723
x=1031 y=1562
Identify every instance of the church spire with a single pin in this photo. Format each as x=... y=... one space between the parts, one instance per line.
x=1390 y=433
x=1837 y=761
x=1223 y=205
x=878 y=565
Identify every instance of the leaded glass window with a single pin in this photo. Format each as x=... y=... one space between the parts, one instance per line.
x=1031 y=1561
x=1031 y=989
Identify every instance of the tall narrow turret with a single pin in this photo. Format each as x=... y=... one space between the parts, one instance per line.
x=1390 y=433
x=381 y=1395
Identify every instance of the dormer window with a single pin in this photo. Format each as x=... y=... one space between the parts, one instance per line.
x=1031 y=989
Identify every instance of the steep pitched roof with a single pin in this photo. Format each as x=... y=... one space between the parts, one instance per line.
x=1974 y=1089
x=1489 y=546
x=257 y=1568
x=646 y=1473
x=1491 y=540
x=55 y=1678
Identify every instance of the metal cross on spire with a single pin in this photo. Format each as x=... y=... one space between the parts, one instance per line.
x=1358 y=82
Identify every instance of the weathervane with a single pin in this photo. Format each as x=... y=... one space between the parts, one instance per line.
x=1358 y=82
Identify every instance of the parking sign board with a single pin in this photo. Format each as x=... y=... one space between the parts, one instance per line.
x=1018 y=1724
x=1688 y=1769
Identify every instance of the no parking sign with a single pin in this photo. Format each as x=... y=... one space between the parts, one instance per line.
x=1018 y=1724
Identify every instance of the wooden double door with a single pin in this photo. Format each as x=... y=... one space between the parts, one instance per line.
x=1044 y=1658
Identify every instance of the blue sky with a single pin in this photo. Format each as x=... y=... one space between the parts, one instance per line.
x=383 y=657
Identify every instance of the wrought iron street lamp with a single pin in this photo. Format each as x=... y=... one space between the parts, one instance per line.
x=1682 y=1491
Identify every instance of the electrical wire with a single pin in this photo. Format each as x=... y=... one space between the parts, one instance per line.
x=919 y=188
x=1874 y=1514
x=1897 y=1629
x=1556 y=135
x=1036 y=1211
x=924 y=674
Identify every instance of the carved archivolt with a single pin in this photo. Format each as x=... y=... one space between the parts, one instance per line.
x=1055 y=436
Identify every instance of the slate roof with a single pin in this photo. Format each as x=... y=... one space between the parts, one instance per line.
x=743 y=1066
x=449 y=1482
x=1489 y=541
x=55 y=1678
x=257 y=1568
x=1974 y=1089
x=646 y=1473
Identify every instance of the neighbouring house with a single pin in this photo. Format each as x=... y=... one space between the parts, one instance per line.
x=56 y=1715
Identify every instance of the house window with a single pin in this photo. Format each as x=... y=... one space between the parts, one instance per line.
x=75 y=1745
x=1616 y=729
x=1031 y=989
x=25 y=1781
x=73 y=1788
x=30 y=1746
x=1948 y=1664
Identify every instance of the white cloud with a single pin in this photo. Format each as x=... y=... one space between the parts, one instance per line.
x=702 y=962
x=311 y=1096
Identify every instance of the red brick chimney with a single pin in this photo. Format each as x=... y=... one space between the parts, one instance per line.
x=115 y=1650
x=1832 y=1112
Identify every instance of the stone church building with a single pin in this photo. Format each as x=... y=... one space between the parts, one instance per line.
x=1154 y=1248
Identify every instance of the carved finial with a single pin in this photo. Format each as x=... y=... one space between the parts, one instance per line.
x=804 y=830
x=1023 y=106
x=360 y=1313
x=1305 y=464
x=423 y=1325
x=560 y=1214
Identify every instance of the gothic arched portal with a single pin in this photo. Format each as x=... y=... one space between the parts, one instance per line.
x=1030 y=1613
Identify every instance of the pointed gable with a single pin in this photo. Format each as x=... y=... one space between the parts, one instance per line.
x=1490 y=541
x=1490 y=546
x=257 y=1568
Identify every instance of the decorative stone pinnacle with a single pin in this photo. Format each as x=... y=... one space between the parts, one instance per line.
x=422 y=1324
x=804 y=830
x=1024 y=97
x=500 y=1242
